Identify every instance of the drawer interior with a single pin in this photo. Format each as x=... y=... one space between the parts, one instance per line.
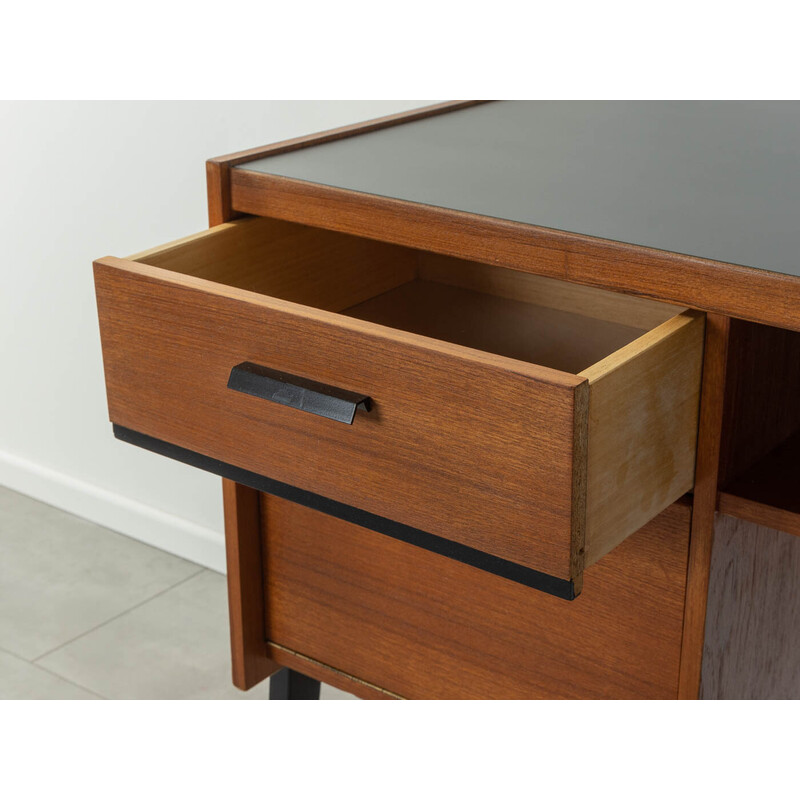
x=527 y=317
x=521 y=324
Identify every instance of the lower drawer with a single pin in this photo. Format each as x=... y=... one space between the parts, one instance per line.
x=424 y=626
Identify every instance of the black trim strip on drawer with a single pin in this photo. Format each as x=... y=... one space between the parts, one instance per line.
x=427 y=541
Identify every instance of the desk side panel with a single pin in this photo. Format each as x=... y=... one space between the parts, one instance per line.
x=752 y=644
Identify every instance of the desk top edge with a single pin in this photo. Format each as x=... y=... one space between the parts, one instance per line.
x=304 y=161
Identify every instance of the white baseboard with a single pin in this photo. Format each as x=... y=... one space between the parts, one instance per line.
x=139 y=521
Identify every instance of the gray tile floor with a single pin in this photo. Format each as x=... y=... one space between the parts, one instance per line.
x=88 y=614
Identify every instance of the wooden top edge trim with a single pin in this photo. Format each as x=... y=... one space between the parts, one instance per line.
x=552 y=237
x=645 y=342
x=357 y=128
x=545 y=375
x=351 y=211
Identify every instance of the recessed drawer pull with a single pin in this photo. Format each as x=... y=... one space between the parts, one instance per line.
x=297 y=392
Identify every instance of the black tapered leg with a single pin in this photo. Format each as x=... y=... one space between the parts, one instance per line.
x=290 y=685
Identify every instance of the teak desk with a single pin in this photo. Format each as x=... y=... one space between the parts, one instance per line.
x=505 y=396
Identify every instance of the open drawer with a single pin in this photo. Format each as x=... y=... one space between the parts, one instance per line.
x=523 y=425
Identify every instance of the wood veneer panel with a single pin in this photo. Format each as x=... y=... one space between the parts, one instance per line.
x=423 y=626
x=643 y=391
x=291 y=262
x=218 y=189
x=550 y=337
x=449 y=448
x=643 y=387
x=643 y=411
x=762 y=400
x=712 y=286
x=769 y=492
x=218 y=170
x=766 y=514
x=752 y=646
x=322 y=672
x=622 y=309
x=717 y=180
x=246 y=607
x=715 y=359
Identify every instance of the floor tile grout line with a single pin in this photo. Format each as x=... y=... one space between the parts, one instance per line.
x=50 y=672
x=117 y=616
x=70 y=681
x=15 y=655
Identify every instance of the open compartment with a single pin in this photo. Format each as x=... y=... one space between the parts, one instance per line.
x=760 y=453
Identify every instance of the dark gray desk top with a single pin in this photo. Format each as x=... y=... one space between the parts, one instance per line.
x=719 y=180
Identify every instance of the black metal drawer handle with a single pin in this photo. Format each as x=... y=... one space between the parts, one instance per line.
x=296 y=392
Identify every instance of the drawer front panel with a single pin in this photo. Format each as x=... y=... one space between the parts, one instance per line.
x=478 y=449
x=422 y=626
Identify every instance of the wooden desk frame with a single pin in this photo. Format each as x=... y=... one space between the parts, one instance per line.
x=730 y=294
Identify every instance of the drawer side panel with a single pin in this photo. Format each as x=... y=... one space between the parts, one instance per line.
x=643 y=410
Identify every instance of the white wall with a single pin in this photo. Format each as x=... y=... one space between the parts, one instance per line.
x=80 y=181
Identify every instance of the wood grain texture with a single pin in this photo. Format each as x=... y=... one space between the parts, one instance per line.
x=643 y=409
x=643 y=392
x=218 y=170
x=291 y=262
x=322 y=672
x=717 y=180
x=250 y=662
x=707 y=285
x=451 y=447
x=552 y=338
x=752 y=647
x=762 y=400
x=621 y=309
x=766 y=514
x=218 y=189
x=712 y=395
x=246 y=606
x=769 y=492
x=225 y=288
x=423 y=626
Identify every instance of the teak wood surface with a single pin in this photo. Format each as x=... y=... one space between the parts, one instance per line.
x=760 y=459
x=717 y=287
x=752 y=644
x=716 y=180
x=643 y=409
x=715 y=358
x=456 y=457
x=646 y=600
x=762 y=396
x=250 y=663
x=479 y=448
x=702 y=283
x=730 y=290
x=424 y=626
